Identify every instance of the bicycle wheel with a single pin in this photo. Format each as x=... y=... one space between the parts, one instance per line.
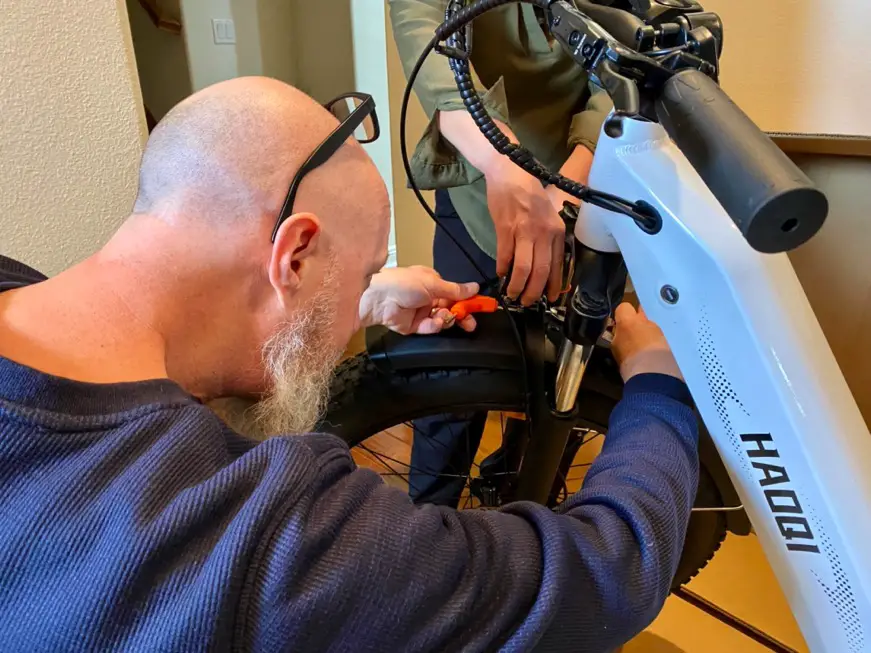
x=366 y=403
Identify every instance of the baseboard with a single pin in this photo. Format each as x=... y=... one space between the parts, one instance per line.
x=823 y=144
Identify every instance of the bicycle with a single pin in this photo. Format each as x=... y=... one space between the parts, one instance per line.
x=719 y=205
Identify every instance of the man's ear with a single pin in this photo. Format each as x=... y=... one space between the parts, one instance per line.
x=297 y=239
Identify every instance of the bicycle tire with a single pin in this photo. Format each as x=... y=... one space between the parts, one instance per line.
x=364 y=401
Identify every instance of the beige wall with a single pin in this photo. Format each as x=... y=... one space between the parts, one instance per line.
x=303 y=43
x=71 y=128
x=275 y=19
x=210 y=63
x=172 y=67
x=249 y=43
x=414 y=228
x=799 y=66
x=834 y=269
x=161 y=61
x=323 y=34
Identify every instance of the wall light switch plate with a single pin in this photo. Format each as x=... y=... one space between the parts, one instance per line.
x=224 y=31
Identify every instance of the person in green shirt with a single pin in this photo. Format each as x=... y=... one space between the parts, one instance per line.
x=510 y=224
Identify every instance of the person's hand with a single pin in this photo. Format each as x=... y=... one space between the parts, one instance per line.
x=577 y=168
x=529 y=232
x=558 y=198
x=414 y=300
x=640 y=347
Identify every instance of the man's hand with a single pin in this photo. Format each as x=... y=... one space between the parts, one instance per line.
x=414 y=300
x=640 y=347
x=528 y=230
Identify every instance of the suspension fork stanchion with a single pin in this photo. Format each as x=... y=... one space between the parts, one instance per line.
x=599 y=282
x=550 y=429
x=573 y=360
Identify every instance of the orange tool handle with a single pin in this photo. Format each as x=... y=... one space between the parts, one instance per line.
x=477 y=304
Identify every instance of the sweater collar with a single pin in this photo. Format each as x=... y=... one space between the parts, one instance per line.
x=33 y=389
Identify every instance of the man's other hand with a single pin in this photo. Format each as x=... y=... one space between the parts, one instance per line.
x=640 y=347
x=414 y=300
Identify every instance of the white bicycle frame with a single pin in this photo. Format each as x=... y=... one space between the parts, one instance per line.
x=762 y=375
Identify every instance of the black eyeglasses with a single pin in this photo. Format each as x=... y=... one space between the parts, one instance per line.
x=356 y=111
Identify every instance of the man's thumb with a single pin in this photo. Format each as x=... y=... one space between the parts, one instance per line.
x=624 y=313
x=455 y=291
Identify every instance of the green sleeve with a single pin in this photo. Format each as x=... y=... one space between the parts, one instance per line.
x=414 y=23
x=587 y=125
x=436 y=163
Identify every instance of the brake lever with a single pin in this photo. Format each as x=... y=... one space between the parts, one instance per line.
x=618 y=23
x=621 y=71
x=660 y=11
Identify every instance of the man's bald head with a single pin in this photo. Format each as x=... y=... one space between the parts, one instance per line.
x=213 y=179
x=230 y=150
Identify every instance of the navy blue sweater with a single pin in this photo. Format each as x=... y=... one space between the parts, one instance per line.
x=132 y=518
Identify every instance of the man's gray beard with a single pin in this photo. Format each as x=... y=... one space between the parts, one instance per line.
x=299 y=361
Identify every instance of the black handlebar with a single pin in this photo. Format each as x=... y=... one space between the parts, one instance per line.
x=773 y=203
x=665 y=72
x=769 y=198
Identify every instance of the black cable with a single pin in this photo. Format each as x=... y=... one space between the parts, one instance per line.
x=406 y=162
x=456 y=50
x=458 y=58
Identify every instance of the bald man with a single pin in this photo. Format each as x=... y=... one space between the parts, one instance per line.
x=132 y=518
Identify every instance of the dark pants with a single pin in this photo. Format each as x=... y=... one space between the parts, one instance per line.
x=446 y=444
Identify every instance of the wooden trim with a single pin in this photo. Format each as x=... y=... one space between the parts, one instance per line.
x=160 y=22
x=820 y=144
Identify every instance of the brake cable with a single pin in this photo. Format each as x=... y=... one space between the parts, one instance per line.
x=455 y=36
x=456 y=49
x=486 y=282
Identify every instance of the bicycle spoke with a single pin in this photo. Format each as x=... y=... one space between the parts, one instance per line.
x=586 y=436
x=381 y=460
x=565 y=487
x=469 y=457
x=411 y=468
x=454 y=439
x=394 y=467
x=596 y=434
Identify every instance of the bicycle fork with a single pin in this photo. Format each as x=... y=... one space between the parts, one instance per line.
x=599 y=281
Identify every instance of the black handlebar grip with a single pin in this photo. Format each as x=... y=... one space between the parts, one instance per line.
x=769 y=198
